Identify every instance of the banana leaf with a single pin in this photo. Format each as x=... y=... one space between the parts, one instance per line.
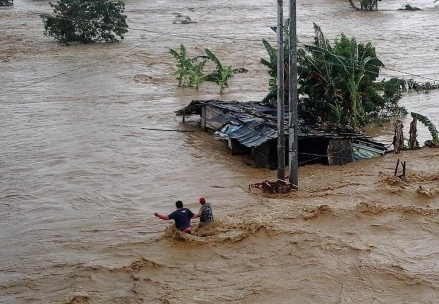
x=431 y=127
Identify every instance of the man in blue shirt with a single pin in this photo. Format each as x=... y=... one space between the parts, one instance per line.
x=182 y=217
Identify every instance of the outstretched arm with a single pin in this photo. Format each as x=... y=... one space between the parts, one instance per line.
x=197 y=214
x=161 y=216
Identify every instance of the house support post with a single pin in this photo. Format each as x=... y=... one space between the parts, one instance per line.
x=203 y=117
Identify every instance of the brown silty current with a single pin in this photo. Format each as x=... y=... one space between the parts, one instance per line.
x=81 y=179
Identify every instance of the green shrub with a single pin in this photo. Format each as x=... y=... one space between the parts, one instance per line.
x=86 y=21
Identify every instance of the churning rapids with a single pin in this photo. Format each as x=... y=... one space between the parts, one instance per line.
x=80 y=176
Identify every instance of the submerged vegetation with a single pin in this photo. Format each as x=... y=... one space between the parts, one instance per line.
x=408 y=7
x=337 y=82
x=191 y=72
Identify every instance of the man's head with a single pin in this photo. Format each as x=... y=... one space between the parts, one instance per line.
x=202 y=200
x=179 y=204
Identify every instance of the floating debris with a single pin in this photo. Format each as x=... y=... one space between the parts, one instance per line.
x=278 y=186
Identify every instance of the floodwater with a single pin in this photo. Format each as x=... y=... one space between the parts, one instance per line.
x=83 y=168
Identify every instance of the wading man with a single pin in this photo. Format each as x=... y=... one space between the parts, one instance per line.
x=182 y=217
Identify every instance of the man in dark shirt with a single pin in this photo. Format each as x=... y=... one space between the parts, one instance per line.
x=182 y=217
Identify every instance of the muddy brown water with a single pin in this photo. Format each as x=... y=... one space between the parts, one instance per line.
x=80 y=178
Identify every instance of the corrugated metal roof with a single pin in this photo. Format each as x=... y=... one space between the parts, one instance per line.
x=251 y=134
x=252 y=123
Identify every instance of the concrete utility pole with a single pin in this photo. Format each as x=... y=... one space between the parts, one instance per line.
x=280 y=94
x=292 y=100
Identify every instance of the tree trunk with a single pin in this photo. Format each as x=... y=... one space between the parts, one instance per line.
x=398 y=139
x=366 y=5
x=413 y=143
x=351 y=2
x=369 y=5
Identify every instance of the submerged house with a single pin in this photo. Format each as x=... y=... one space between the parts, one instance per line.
x=251 y=128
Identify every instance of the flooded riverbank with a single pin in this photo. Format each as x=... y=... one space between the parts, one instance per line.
x=80 y=178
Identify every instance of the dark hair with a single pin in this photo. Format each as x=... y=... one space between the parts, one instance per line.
x=179 y=204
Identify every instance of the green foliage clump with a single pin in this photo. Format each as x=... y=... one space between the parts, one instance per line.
x=387 y=102
x=190 y=71
x=86 y=21
x=337 y=82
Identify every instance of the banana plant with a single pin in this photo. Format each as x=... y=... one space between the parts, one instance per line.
x=357 y=73
x=196 y=74
x=271 y=64
x=184 y=66
x=352 y=70
x=431 y=127
x=221 y=75
x=336 y=111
